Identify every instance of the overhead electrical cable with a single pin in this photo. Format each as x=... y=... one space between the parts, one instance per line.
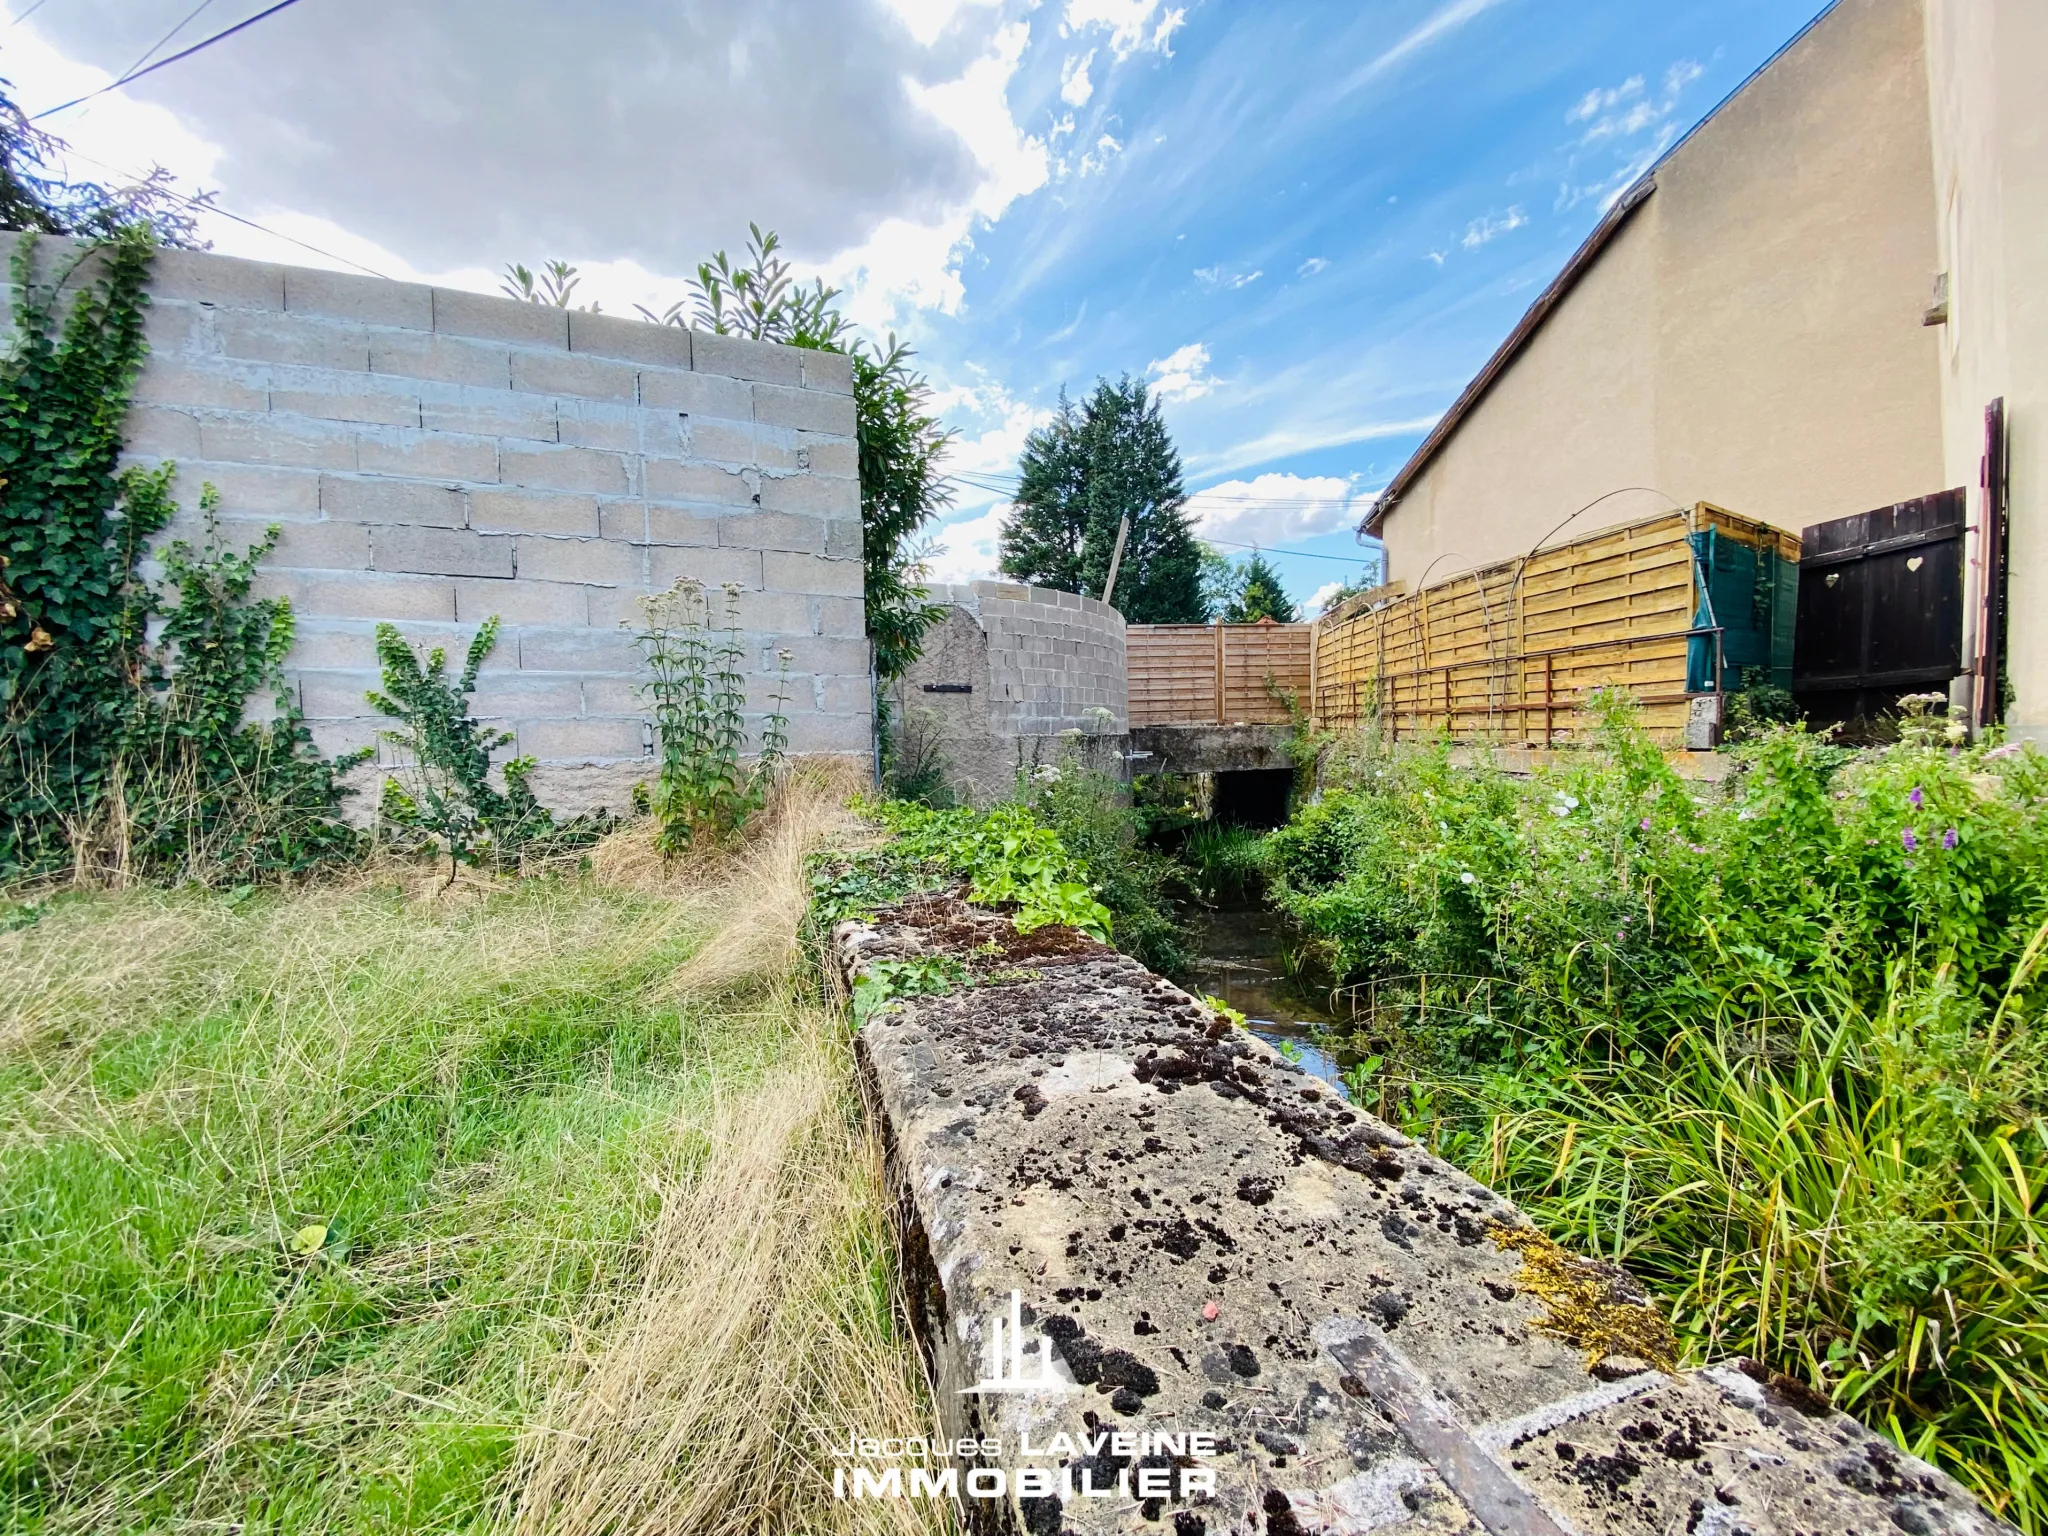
x=149 y=69
x=151 y=51
x=24 y=16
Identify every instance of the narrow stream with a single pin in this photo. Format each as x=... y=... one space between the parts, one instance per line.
x=1238 y=960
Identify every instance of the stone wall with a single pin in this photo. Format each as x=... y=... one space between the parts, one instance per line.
x=1012 y=673
x=435 y=457
x=1167 y=1281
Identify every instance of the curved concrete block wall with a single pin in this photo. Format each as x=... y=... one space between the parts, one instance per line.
x=1010 y=670
x=435 y=457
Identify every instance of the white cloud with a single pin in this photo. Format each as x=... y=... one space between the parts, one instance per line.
x=452 y=138
x=1134 y=25
x=1075 y=85
x=1182 y=374
x=1438 y=24
x=1437 y=256
x=1312 y=266
x=1221 y=278
x=1331 y=430
x=1596 y=101
x=1321 y=598
x=966 y=549
x=1491 y=226
x=1106 y=149
x=1275 y=508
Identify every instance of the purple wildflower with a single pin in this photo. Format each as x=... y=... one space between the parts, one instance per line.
x=1914 y=798
x=1949 y=838
x=1646 y=823
x=1910 y=839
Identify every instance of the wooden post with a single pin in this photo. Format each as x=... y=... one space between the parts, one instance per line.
x=1546 y=698
x=1219 y=672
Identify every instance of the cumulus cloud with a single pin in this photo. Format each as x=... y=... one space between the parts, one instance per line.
x=1490 y=226
x=1596 y=101
x=1134 y=25
x=1321 y=598
x=1276 y=508
x=470 y=132
x=1312 y=266
x=1220 y=279
x=1182 y=374
x=1075 y=85
x=966 y=548
x=1627 y=121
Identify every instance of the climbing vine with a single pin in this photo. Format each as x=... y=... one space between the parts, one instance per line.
x=124 y=748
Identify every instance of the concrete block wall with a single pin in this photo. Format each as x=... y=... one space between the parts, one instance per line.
x=1039 y=665
x=435 y=457
x=1055 y=658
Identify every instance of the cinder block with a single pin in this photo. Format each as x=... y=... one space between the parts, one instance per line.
x=784 y=572
x=579 y=740
x=226 y=282
x=365 y=596
x=595 y=470
x=488 y=413
x=372 y=300
x=170 y=327
x=809 y=410
x=493 y=317
x=638 y=341
x=724 y=442
x=775 y=613
x=514 y=695
x=624 y=520
x=773 y=530
x=335 y=695
x=842 y=695
x=521 y=602
x=570 y=373
x=250 y=490
x=843 y=538
x=596 y=649
x=697 y=394
x=614 y=696
x=168 y=381
x=433 y=455
x=379 y=407
x=828 y=656
x=817 y=495
x=441 y=359
x=821 y=455
x=536 y=512
x=838 y=616
x=830 y=371
x=292 y=440
x=161 y=433
x=333 y=738
x=761 y=360
x=319 y=546
x=295 y=339
x=713 y=567
x=832 y=735
x=544 y=559
x=335 y=645
x=681 y=525
x=670 y=480
x=441 y=551
x=410 y=502
x=598 y=424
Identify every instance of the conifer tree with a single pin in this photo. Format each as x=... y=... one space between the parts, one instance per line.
x=1082 y=474
x=1259 y=595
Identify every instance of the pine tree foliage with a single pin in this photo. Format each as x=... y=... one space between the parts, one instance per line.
x=1081 y=475
x=1259 y=595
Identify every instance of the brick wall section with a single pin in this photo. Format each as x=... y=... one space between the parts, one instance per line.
x=435 y=457
x=1053 y=657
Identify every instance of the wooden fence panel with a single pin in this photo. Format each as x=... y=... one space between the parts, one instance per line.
x=1216 y=674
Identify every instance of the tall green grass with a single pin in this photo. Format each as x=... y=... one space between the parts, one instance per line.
x=317 y=1212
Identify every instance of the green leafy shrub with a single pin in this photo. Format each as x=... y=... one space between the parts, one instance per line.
x=1223 y=860
x=699 y=694
x=443 y=794
x=123 y=753
x=1778 y=1046
x=1089 y=813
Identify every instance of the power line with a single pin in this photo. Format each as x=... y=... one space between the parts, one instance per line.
x=24 y=16
x=207 y=205
x=150 y=53
x=199 y=47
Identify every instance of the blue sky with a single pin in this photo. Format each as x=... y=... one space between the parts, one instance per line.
x=1307 y=223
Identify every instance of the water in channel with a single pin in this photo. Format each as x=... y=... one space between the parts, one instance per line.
x=1238 y=960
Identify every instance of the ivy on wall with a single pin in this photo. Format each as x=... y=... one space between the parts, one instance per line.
x=124 y=748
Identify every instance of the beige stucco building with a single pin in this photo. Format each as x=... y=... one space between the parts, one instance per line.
x=1748 y=325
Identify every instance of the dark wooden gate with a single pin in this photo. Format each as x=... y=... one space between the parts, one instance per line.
x=1880 y=607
